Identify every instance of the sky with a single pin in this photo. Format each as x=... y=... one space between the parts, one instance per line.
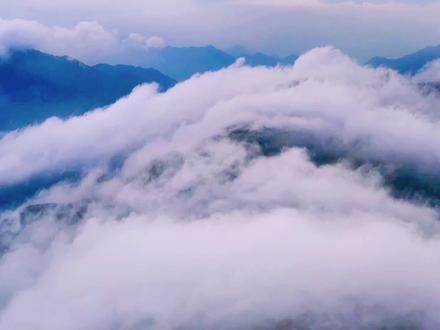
x=360 y=28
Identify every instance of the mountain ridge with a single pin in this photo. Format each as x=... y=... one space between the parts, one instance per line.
x=35 y=85
x=408 y=64
x=181 y=63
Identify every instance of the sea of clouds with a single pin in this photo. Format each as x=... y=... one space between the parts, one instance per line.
x=302 y=197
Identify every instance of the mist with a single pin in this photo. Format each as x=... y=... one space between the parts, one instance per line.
x=248 y=198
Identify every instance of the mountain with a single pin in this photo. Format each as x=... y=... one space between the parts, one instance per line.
x=260 y=59
x=237 y=51
x=409 y=64
x=35 y=86
x=183 y=62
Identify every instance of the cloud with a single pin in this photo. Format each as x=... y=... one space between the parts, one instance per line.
x=282 y=26
x=238 y=270
x=212 y=205
x=152 y=42
x=86 y=40
x=284 y=3
x=89 y=42
x=156 y=42
x=361 y=111
x=431 y=74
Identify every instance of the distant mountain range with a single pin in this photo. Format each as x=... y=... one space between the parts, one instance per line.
x=409 y=64
x=183 y=62
x=258 y=59
x=35 y=86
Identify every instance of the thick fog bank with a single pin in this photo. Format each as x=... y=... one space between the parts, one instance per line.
x=249 y=198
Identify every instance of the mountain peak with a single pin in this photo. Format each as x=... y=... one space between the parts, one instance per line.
x=35 y=86
x=408 y=64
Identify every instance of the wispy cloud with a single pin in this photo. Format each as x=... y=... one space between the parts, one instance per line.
x=376 y=27
x=86 y=40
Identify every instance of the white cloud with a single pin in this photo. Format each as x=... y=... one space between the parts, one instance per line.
x=284 y=3
x=86 y=41
x=89 y=42
x=430 y=74
x=156 y=42
x=198 y=230
x=376 y=27
x=234 y=270
x=364 y=111
x=143 y=41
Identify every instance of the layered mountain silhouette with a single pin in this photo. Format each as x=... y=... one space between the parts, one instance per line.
x=183 y=62
x=35 y=86
x=260 y=59
x=409 y=64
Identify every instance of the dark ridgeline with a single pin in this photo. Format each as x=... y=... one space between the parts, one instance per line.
x=35 y=86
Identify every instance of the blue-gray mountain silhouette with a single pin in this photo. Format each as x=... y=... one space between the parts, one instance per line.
x=409 y=64
x=260 y=59
x=35 y=86
x=183 y=62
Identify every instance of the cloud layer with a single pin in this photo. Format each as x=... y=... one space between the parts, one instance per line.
x=243 y=198
x=86 y=41
x=283 y=26
x=431 y=74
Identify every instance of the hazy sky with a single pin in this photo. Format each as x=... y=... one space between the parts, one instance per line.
x=360 y=28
